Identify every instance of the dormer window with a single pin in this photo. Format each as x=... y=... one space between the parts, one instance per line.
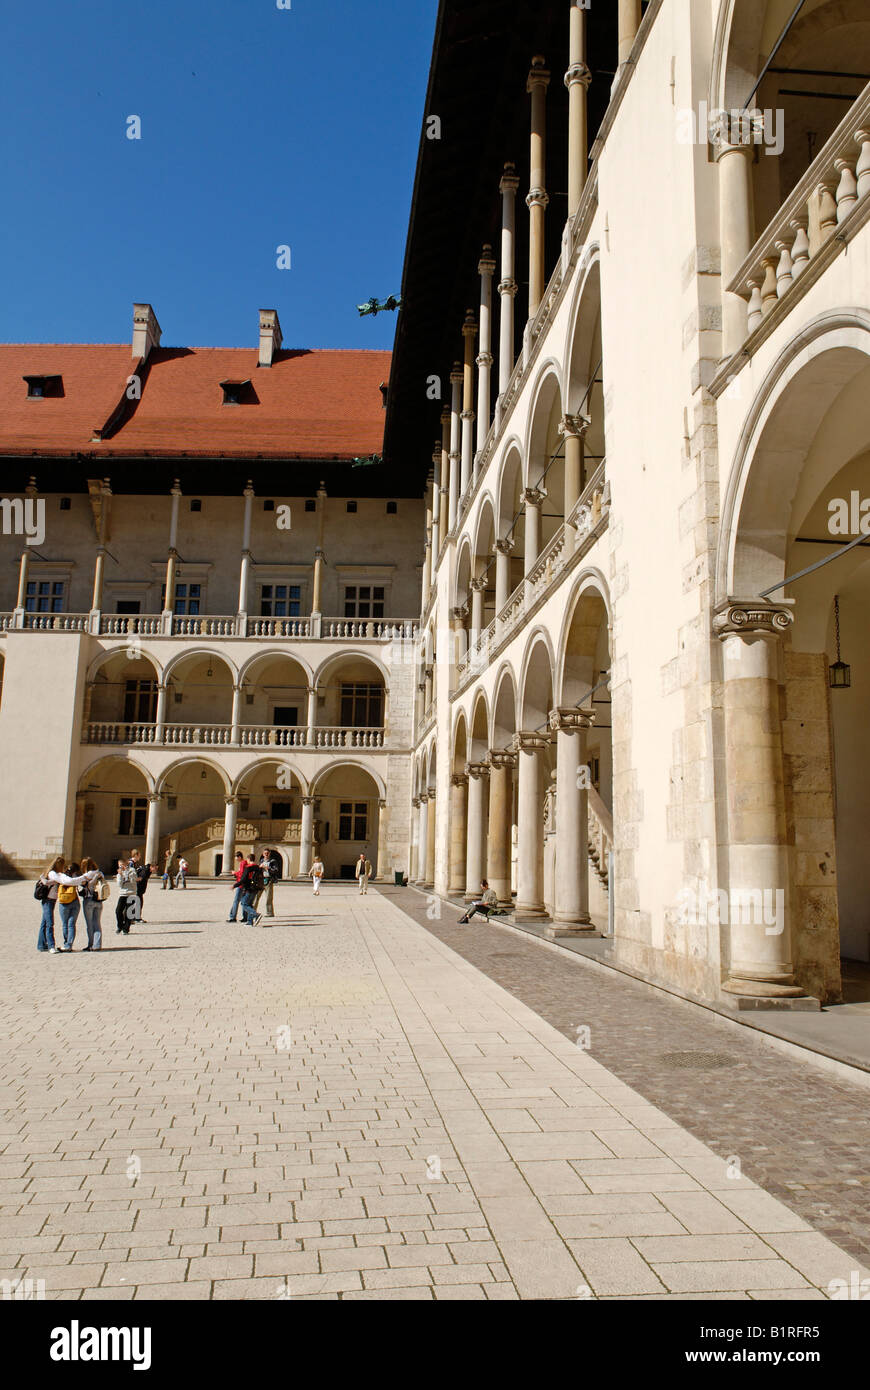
x=236 y=392
x=38 y=387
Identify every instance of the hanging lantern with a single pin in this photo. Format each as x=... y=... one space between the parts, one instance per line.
x=839 y=675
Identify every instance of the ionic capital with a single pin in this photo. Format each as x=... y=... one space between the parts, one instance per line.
x=575 y=426
x=530 y=742
x=728 y=131
x=533 y=496
x=416 y=802
x=571 y=721
x=477 y=770
x=578 y=72
x=752 y=619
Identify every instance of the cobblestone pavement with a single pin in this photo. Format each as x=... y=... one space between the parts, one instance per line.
x=343 y=1107
x=800 y=1133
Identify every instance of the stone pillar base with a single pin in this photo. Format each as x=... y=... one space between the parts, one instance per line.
x=737 y=996
x=531 y=914
x=557 y=930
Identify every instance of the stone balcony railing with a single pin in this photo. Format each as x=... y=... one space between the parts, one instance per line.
x=824 y=211
x=127 y=734
x=127 y=625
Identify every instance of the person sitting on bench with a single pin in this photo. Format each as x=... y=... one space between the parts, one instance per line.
x=485 y=904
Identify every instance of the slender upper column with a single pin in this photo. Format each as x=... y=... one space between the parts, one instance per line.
x=484 y=356
x=428 y=547
x=475 y=861
x=100 y=562
x=507 y=288
x=577 y=80
x=231 y=812
x=172 y=559
x=431 y=817
x=312 y=715
x=456 y=380
x=538 y=199
x=533 y=499
x=245 y=568
x=381 y=870
x=317 y=584
x=503 y=550
x=160 y=714
x=458 y=833
x=422 y=840
x=436 y=506
x=498 y=852
x=152 y=832
x=446 y=474
x=236 y=718
x=306 y=836
x=571 y=908
x=734 y=156
x=469 y=333
x=573 y=430
x=414 y=852
x=530 y=846
x=759 y=878
x=629 y=23
x=478 y=591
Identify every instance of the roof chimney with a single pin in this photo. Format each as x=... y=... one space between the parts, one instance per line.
x=270 y=337
x=146 y=330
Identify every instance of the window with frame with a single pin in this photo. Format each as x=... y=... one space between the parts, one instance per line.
x=280 y=600
x=140 y=702
x=45 y=596
x=353 y=820
x=132 y=815
x=364 y=601
x=188 y=600
x=362 y=706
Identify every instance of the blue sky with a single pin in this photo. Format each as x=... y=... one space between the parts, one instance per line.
x=260 y=127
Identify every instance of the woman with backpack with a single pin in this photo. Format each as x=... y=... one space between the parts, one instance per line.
x=46 y=890
x=127 y=907
x=252 y=886
x=93 y=895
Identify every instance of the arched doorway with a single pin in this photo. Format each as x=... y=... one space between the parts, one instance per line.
x=347 y=809
x=112 y=808
x=193 y=794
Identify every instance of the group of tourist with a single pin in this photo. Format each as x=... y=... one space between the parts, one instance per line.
x=254 y=880
x=83 y=888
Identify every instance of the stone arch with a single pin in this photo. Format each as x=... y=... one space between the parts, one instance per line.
x=111 y=809
x=262 y=658
x=358 y=766
x=545 y=412
x=113 y=653
x=536 y=681
x=459 y=743
x=260 y=763
x=200 y=654
x=325 y=668
x=584 y=371
x=193 y=760
x=503 y=723
x=587 y=611
x=479 y=728
x=117 y=760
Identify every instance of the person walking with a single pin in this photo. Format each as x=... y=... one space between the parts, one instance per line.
x=315 y=873
x=275 y=870
x=266 y=892
x=181 y=876
x=127 y=906
x=252 y=886
x=167 y=869
x=93 y=896
x=143 y=873
x=484 y=904
x=242 y=863
x=47 y=888
x=364 y=872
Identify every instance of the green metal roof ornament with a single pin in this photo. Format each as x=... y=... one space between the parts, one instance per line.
x=373 y=461
x=374 y=306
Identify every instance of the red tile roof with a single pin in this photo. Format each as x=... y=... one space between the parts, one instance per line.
x=314 y=405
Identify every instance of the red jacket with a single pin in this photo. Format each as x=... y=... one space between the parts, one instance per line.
x=241 y=869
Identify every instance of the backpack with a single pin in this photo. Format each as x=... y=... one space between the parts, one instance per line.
x=252 y=879
x=66 y=894
x=41 y=890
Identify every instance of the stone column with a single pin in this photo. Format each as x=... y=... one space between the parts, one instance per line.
x=431 y=817
x=99 y=574
x=172 y=558
x=436 y=509
x=475 y=855
x=236 y=718
x=469 y=333
x=427 y=548
x=306 y=836
x=230 y=817
x=573 y=430
x=530 y=867
x=413 y=855
x=160 y=713
x=152 y=832
x=422 y=839
x=507 y=287
x=457 y=377
x=446 y=476
x=23 y=571
x=317 y=587
x=577 y=80
x=571 y=907
x=484 y=356
x=381 y=870
x=758 y=855
x=503 y=550
x=629 y=23
x=311 y=732
x=245 y=566
x=458 y=833
x=501 y=800
x=533 y=499
x=478 y=591
x=736 y=220
x=539 y=81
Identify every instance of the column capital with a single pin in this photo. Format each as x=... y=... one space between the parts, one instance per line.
x=533 y=742
x=484 y=359
x=308 y=800
x=576 y=426
x=730 y=131
x=466 y=415
x=228 y=800
x=538 y=197
x=445 y=415
x=533 y=496
x=571 y=721
x=436 y=455
x=477 y=770
x=539 y=75
x=509 y=182
x=155 y=797
x=479 y=585
x=503 y=758
x=175 y=490
x=508 y=286
x=457 y=375
x=249 y=489
x=417 y=802
x=506 y=545
x=459 y=615
x=431 y=793
x=459 y=779
x=469 y=327
x=487 y=263
x=578 y=72
x=752 y=618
